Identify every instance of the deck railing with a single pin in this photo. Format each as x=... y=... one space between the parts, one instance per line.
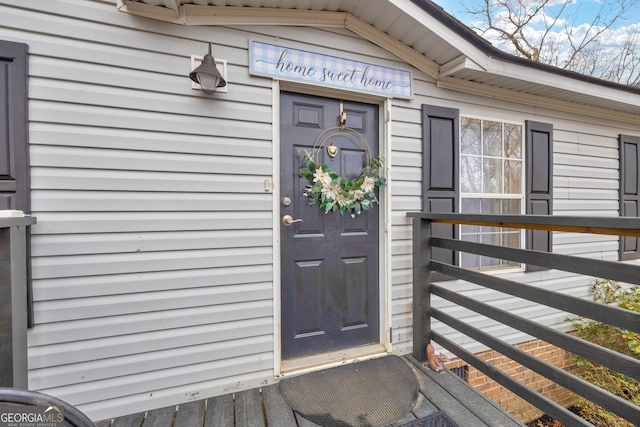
x=423 y=287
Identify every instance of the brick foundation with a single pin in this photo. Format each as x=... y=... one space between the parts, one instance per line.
x=515 y=405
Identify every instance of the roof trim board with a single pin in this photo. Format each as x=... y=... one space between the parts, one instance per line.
x=228 y=16
x=512 y=70
x=477 y=59
x=220 y=15
x=459 y=64
x=443 y=30
x=174 y=16
x=470 y=87
x=399 y=49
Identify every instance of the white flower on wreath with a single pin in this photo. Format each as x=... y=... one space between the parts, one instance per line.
x=357 y=194
x=322 y=176
x=368 y=184
x=331 y=191
x=343 y=200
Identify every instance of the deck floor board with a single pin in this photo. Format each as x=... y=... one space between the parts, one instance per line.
x=162 y=417
x=266 y=407
x=489 y=412
x=278 y=412
x=190 y=414
x=220 y=412
x=445 y=402
x=133 y=420
x=249 y=409
x=423 y=407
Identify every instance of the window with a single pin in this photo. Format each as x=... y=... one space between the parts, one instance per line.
x=491 y=182
x=496 y=179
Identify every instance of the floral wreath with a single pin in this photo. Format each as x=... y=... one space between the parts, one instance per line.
x=334 y=192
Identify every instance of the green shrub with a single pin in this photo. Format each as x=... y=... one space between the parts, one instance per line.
x=620 y=340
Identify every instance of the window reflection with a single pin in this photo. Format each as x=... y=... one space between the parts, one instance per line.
x=491 y=182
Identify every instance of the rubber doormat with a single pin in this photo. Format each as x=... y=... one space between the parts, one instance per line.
x=372 y=393
x=437 y=419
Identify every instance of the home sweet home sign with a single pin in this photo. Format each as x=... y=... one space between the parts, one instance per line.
x=293 y=64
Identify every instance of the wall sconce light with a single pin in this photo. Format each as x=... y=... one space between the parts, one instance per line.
x=207 y=75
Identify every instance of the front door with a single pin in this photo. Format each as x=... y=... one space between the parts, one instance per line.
x=330 y=287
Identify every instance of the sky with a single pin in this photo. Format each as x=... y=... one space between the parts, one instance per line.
x=581 y=7
x=579 y=15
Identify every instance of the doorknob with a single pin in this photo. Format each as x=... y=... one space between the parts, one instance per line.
x=287 y=220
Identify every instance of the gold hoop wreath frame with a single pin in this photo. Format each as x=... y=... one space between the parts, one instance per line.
x=338 y=193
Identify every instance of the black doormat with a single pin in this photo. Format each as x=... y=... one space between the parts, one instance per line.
x=437 y=419
x=372 y=393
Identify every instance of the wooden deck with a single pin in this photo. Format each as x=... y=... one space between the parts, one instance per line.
x=265 y=407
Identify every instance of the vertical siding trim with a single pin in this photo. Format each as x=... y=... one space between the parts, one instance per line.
x=386 y=255
x=277 y=279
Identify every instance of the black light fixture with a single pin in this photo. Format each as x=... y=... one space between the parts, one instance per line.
x=207 y=75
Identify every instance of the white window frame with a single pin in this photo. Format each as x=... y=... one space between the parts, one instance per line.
x=510 y=196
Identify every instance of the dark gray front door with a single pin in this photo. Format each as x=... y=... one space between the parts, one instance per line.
x=330 y=285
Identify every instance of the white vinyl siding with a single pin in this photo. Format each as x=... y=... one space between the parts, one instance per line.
x=585 y=183
x=152 y=256
x=153 y=252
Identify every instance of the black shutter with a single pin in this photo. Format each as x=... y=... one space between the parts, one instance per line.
x=440 y=170
x=539 y=182
x=629 y=193
x=14 y=149
x=14 y=169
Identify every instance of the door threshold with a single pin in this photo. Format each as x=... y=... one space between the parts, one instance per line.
x=316 y=362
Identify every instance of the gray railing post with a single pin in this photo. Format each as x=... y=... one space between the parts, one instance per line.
x=421 y=287
x=13 y=300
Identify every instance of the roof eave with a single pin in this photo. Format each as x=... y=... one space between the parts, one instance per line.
x=478 y=59
x=491 y=54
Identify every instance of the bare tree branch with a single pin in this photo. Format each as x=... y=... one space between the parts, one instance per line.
x=547 y=31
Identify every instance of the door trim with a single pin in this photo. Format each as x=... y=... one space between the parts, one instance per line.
x=384 y=346
x=328 y=360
